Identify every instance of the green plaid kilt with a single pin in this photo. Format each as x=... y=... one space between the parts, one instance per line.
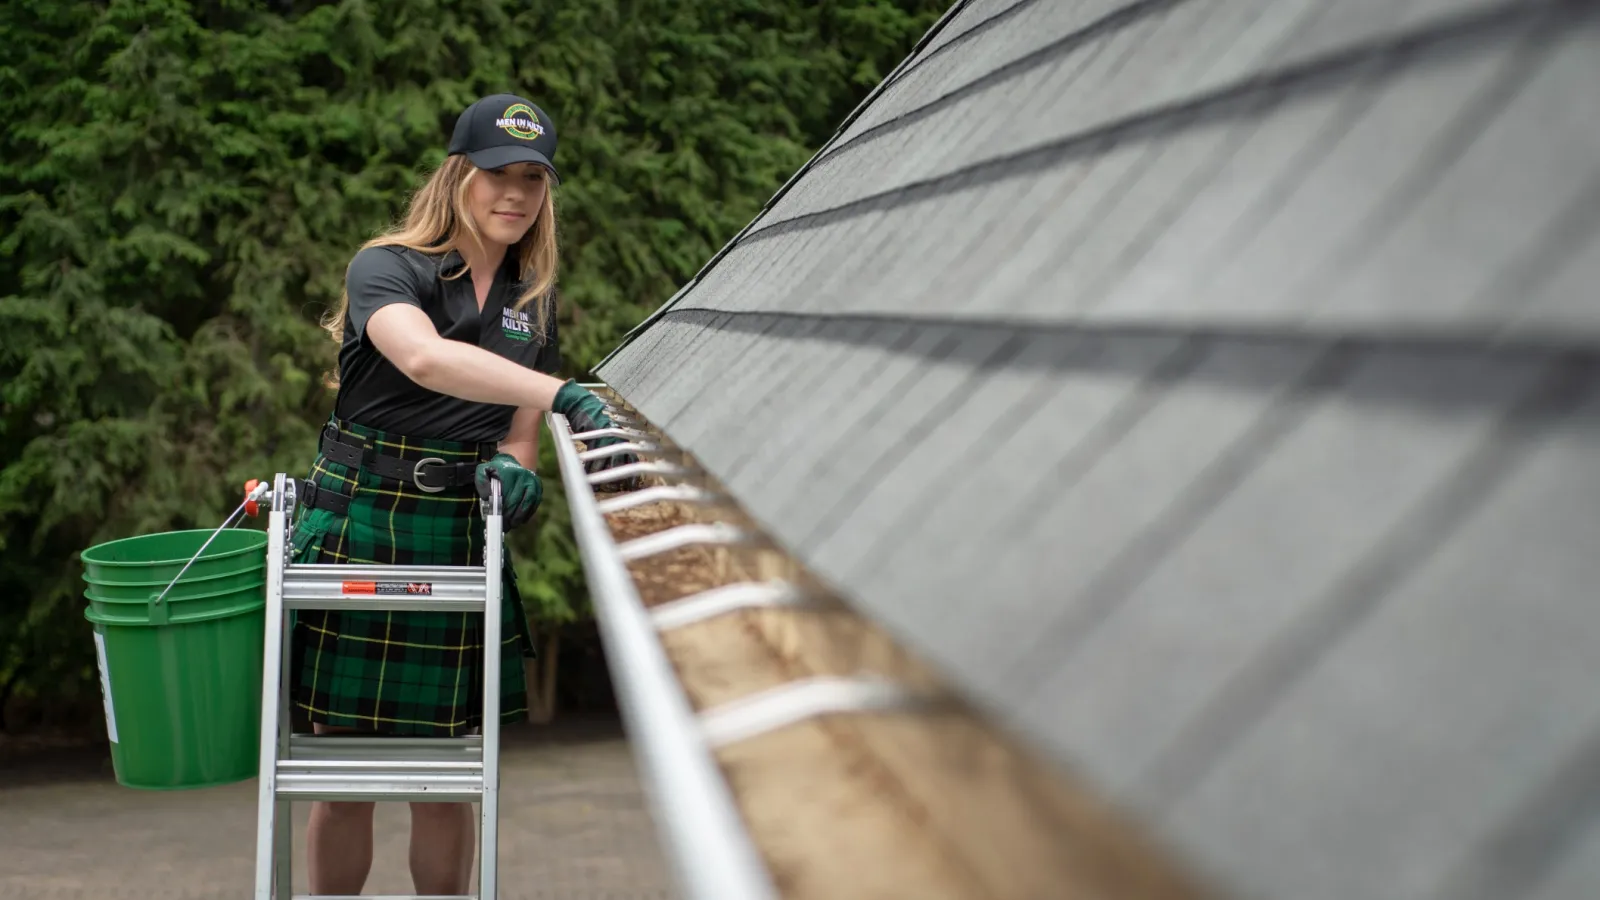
x=402 y=673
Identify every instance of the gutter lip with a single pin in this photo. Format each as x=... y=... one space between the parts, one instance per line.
x=705 y=840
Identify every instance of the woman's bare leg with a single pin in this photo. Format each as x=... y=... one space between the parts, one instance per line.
x=338 y=842
x=442 y=844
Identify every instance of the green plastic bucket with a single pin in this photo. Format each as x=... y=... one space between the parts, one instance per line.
x=181 y=678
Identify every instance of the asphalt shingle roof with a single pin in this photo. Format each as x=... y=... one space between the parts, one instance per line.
x=1211 y=390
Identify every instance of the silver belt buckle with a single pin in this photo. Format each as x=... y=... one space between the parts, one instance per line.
x=416 y=475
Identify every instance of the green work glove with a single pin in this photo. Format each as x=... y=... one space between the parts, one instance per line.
x=586 y=412
x=520 y=489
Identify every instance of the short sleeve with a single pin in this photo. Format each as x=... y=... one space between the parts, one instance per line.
x=376 y=278
x=548 y=360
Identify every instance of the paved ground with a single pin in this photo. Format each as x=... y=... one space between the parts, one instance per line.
x=573 y=827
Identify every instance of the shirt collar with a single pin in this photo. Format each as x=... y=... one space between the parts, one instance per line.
x=451 y=264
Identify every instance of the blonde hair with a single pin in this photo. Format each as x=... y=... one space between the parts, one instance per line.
x=434 y=223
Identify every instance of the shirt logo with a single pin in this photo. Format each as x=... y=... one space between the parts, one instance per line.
x=515 y=324
x=520 y=121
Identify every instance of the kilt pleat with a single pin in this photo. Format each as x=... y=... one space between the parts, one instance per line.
x=402 y=673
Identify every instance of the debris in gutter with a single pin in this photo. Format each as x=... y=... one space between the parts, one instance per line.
x=925 y=803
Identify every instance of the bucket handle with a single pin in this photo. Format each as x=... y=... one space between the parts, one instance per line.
x=256 y=490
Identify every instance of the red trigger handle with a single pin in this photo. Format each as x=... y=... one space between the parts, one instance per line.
x=250 y=506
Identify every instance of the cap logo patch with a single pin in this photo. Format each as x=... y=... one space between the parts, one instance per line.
x=520 y=121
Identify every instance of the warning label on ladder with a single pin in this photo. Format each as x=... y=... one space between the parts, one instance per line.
x=105 y=685
x=387 y=587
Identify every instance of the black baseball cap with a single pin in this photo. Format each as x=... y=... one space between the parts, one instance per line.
x=502 y=129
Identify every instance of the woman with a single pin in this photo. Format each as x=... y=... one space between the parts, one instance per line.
x=447 y=336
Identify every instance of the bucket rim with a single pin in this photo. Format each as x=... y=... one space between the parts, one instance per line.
x=178 y=619
x=179 y=560
x=188 y=579
x=183 y=598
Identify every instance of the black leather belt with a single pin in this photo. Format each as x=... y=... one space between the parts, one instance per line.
x=429 y=474
x=313 y=497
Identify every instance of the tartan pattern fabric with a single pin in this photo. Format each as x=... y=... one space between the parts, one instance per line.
x=403 y=673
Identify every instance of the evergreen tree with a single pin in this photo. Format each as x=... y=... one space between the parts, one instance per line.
x=182 y=184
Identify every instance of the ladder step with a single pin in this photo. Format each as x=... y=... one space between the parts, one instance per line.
x=387 y=897
x=384 y=749
x=337 y=571
x=356 y=767
x=377 y=780
x=399 y=588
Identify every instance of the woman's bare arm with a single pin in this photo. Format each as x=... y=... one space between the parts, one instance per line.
x=406 y=337
x=522 y=441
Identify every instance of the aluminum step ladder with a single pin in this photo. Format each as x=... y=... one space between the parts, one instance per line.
x=301 y=767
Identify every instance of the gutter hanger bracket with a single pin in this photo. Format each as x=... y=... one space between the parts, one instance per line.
x=641 y=448
x=627 y=434
x=623 y=473
x=729 y=598
x=661 y=493
x=717 y=535
x=795 y=702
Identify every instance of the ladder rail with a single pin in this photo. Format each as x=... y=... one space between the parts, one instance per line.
x=268 y=841
x=489 y=803
x=283 y=808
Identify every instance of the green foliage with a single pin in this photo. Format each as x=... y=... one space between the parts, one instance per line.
x=182 y=184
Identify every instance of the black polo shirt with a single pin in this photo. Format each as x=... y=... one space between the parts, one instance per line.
x=373 y=392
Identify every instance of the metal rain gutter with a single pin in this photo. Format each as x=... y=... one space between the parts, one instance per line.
x=705 y=840
x=710 y=847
